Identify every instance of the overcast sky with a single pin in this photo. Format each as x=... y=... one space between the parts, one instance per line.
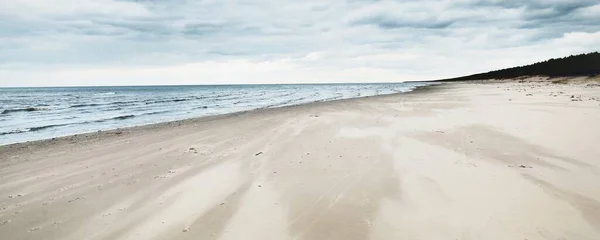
x=150 y=42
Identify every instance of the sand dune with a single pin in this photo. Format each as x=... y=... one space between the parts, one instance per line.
x=515 y=160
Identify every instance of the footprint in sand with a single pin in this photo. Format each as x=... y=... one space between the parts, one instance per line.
x=77 y=198
x=15 y=196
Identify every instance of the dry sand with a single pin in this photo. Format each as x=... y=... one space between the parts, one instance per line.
x=455 y=161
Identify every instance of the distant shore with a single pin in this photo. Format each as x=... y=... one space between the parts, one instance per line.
x=482 y=159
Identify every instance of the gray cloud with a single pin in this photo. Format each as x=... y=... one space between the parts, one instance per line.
x=386 y=22
x=151 y=32
x=546 y=13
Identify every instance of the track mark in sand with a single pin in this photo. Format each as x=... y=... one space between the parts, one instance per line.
x=35 y=229
x=51 y=200
x=465 y=149
x=326 y=193
x=189 y=199
x=215 y=220
x=320 y=198
x=500 y=147
x=15 y=196
x=339 y=196
x=67 y=188
x=77 y=199
x=202 y=150
x=589 y=208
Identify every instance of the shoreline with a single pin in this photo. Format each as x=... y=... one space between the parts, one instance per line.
x=460 y=160
x=200 y=119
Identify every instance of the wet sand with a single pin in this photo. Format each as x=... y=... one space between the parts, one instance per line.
x=491 y=160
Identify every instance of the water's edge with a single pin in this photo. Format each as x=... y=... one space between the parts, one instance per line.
x=415 y=89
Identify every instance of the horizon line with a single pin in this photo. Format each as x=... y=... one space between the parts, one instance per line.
x=220 y=84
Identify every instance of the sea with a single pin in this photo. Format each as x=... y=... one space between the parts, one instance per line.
x=28 y=114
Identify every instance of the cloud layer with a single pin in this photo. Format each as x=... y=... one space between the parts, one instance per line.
x=115 y=42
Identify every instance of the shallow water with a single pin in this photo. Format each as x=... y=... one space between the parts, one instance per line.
x=39 y=113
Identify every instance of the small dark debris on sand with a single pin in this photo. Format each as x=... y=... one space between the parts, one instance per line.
x=520 y=166
x=258 y=153
x=314 y=115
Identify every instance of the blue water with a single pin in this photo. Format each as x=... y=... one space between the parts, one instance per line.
x=28 y=114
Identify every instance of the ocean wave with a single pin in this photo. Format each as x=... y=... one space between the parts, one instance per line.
x=189 y=98
x=284 y=95
x=219 y=96
x=228 y=97
x=286 y=102
x=32 y=129
x=86 y=105
x=328 y=99
x=119 y=103
x=35 y=129
x=157 y=112
x=169 y=100
x=71 y=96
x=123 y=103
x=113 y=109
x=44 y=127
x=125 y=117
x=122 y=117
x=13 y=132
x=254 y=100
x=29 y=109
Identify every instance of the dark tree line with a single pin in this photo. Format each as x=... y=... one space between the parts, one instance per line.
x=574 y=65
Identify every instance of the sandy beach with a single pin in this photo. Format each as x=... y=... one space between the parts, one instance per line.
x=478 y=160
